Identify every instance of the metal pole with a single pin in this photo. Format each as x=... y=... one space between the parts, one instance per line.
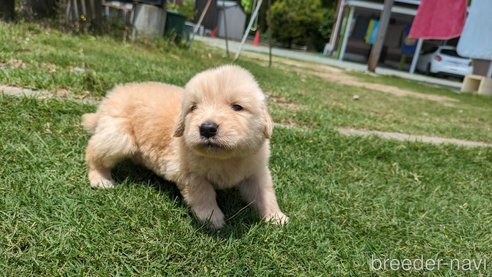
x=202 y=16
x=269 y=38
x=93 y=9
x=68 y=11
x=255 y=13
x=381 y=33
x=416 y=55
x=76 y=10
x=346 y=33
x=336 y=27
x=84 y=10
x=225 y=30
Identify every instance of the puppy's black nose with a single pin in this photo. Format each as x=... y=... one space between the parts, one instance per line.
x=208 y=129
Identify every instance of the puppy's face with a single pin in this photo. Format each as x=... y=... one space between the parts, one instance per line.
x=224 y=114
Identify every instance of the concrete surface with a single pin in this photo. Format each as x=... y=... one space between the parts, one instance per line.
x=318 y=58
x=412 y=138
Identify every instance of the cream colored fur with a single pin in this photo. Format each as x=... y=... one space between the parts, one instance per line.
x=157 y=125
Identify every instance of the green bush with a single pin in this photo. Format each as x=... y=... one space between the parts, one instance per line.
x=187 y=7
x=300 y=22
x=318 y=39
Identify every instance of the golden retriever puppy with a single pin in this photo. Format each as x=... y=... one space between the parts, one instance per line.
x=214 y=134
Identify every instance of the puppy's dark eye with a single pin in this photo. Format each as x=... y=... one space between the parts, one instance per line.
x=237 y=107
x=193 y=107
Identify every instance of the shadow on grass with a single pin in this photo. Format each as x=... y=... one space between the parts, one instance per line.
x=240 y=216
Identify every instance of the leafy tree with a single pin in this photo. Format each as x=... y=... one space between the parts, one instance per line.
x=186 y=7
x=301 y=22
x=247 y=5
x=319 y=39
x=294 y=22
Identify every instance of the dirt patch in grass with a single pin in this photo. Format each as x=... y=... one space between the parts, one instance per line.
x=288 y=124
x=285 y=103
x=12 y=64
x=412 y=138
x=340 y=76
x=59 y=93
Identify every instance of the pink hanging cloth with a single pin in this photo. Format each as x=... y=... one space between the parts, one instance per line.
x=439 y=19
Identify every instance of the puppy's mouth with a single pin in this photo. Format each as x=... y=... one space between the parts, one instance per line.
x=211 y=146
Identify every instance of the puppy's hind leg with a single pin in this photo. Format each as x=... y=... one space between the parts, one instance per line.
x=110 y=144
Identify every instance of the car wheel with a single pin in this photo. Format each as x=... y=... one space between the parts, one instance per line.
x=429 y=72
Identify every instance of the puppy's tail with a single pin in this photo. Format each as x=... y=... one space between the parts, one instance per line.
x=89 y=122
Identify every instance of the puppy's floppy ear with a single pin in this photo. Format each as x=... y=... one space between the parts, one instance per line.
x=268 y=122
x=180 y=125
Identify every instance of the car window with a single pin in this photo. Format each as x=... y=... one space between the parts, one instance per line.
x=430 y=50
x=450 y=52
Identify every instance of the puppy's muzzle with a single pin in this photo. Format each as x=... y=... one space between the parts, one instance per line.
x=208 y=129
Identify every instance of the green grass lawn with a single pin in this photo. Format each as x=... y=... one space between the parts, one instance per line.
x=348 y=198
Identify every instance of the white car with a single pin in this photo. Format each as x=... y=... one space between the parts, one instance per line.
x=444 y=60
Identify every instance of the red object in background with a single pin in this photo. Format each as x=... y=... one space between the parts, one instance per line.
x=214 y=33
x=256 y=41
x=439 y=19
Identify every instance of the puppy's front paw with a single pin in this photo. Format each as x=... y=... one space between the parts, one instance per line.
x=277 y=218
x=214 y=217
x=103 y=184
x=98 y=181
